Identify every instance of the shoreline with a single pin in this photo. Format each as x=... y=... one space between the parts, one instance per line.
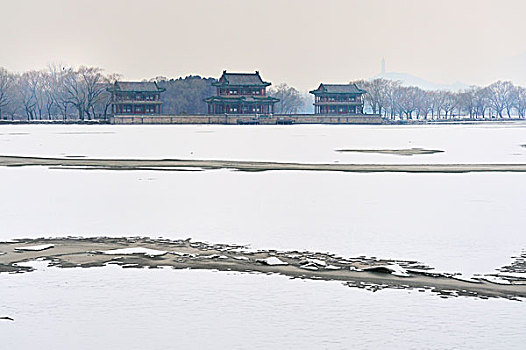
x=361 y=272
x=280 y=120
x=247 y=166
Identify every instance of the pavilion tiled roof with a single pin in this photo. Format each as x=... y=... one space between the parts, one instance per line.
x=338 y=89
x=137 y=86
x=241 y=79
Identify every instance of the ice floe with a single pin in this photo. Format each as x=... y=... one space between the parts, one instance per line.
x=135 y=250
x=35 y=248
x=317 y=262
x=272 y=261
x=186 y=255
x=309 y=266
x=241 y=258
x=466 y=279
x=495 y=279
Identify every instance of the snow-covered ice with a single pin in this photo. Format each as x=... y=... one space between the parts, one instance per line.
x=135 y=250
x=272 y=261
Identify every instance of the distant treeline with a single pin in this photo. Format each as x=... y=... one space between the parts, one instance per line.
x=390 y=99
x=69 y=93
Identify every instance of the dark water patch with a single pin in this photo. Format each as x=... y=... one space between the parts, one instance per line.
x=398 y=152
x=85 y=133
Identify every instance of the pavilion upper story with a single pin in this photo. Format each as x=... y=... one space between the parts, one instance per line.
x=241 y=93
x=332 y=99
x=136 y=97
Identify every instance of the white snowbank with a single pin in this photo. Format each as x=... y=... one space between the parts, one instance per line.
x=317 y=262
x=495 y=279
x=309 y=266
x=187 y=255
x=244 y=250
x=272 y=261
x=135 y=250
x=35 y=248
x=241 y=258
x=294 y=256
x=38 y=264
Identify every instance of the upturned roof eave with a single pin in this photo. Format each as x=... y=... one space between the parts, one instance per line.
x=227 y=84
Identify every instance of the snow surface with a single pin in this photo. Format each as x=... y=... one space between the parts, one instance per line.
x=135 y=250
x=317 y=262
x=309 y=266
x=272 y=261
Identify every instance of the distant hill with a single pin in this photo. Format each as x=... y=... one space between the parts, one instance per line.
x=411 y=80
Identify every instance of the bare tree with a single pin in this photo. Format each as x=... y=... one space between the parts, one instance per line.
x=424 y=104
x=520 y=101
x=450 y=103
x=481 y=101
x=26 y=94
x=92 y=83
x=466 y=105
x=391 y=92
x=57 y=76
x=6 y=84
x=407 y=101
x=103 y=102
x=290 y=99
x=35 y=81
x=377 y=94
x=499 y=95
x=74 y=92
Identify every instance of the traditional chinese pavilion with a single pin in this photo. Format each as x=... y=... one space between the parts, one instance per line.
x=338 y=99
x=241 y=93
x=136 y=97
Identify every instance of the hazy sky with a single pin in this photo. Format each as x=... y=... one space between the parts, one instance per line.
x=301 y=42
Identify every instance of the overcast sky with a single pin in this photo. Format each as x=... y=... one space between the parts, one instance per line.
x=301 y=42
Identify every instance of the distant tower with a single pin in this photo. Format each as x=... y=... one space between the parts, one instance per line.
x=383 y=66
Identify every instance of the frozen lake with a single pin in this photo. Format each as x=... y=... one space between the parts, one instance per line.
x=114 y=308
x=468 y=223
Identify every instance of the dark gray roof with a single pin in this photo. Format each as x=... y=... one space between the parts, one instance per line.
x=253 y=79
x=137 y=86
x=338 y=89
